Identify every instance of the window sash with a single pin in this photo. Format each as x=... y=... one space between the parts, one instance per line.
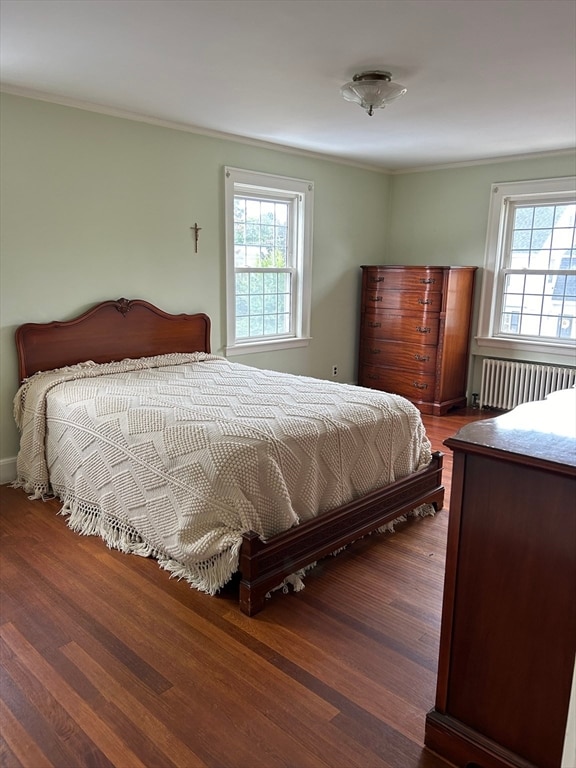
x=531 y=308
x=560 y=231
x=287 y=247
x=265 y=311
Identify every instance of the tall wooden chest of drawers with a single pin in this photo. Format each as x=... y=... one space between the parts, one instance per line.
x=415 y=333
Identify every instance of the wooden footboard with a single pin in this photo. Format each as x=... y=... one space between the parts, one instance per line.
x=264 y=565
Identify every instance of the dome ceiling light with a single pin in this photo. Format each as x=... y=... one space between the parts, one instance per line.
x=372 y=90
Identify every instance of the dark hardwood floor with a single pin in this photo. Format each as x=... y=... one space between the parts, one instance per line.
x=107 y=661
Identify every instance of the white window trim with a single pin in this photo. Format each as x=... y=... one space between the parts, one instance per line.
x=500 y=194
x=303 y=288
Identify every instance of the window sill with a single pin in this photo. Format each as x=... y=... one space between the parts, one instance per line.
x=566 y=352
x=253 y=347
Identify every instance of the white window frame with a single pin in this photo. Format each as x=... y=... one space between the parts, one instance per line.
x=492 y=287
x=243 y=182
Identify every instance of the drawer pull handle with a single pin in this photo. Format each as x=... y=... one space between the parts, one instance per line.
x=374 y=351
x=423 y=329
x=374 y=325
x=421 y=358
x=372 y=376
x=375 y=298
x=419 y=386
x=428 y=280
x=424 y=301
x=376 y=279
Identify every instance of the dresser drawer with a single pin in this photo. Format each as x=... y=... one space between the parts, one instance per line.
x=403 y=279
x=409 y=301
x=414 y=386
x=394 y=354
x=409 y=327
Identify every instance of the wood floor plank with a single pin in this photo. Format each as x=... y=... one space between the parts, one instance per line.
x=50 y=573
x=51 y=716
x=343 y=678
x=22 y=748
x=170 y=751
x=70 y=702
x=7 y=758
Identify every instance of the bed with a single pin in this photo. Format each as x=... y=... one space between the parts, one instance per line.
x=214 y=468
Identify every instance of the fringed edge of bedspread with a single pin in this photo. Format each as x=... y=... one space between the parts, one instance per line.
x=208 y=576
x=88 y=519
x=294 y=580
x=425 y=510
x=34 y=490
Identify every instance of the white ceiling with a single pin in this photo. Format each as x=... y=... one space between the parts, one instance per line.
x=485 y=78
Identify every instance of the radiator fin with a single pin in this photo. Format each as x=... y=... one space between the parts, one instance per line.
x=508 y=383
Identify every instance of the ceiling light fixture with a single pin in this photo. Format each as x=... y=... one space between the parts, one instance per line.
x=372 y=90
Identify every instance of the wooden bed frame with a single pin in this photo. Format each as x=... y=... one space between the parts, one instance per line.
x=115 y=330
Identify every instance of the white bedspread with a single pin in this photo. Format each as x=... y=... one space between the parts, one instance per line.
x=176 y=456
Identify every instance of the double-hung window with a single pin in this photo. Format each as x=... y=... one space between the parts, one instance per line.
x=529 y=292
x=268 y=261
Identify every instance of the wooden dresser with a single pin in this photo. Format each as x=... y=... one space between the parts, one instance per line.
x=415 y=333
x=508 y=635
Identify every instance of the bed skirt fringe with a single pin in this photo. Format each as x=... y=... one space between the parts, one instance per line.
x=34 y=490
x=86 y=519
x=425 y=510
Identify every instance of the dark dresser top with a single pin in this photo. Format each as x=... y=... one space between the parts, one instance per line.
x=542 y=433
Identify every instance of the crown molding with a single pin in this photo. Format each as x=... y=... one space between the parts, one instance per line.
x=568 y=151
x=102 y=109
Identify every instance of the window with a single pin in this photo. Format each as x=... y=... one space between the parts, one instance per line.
x=268 y=261
x=529 y=292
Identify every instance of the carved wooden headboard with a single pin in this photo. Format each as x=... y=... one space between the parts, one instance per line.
x=110 y=331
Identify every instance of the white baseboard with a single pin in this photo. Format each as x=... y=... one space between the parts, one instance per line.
x=7 y=471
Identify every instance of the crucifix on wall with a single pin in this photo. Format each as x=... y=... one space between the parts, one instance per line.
x=196 y=229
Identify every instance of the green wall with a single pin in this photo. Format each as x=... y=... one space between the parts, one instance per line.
x=97 y=207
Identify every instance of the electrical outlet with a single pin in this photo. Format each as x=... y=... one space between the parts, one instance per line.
x=334 y=370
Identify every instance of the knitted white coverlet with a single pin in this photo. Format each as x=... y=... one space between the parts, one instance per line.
x=176 y=456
